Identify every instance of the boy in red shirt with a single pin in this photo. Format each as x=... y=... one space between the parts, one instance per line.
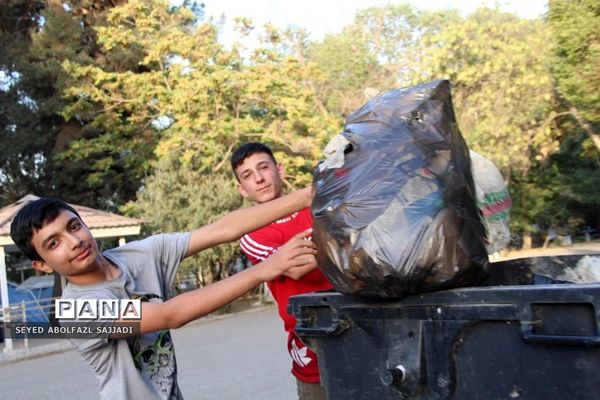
x=260 y=179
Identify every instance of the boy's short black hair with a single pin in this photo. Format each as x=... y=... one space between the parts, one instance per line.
x=245 y=151
x=32 y=218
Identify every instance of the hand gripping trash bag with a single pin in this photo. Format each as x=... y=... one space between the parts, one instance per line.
x=394 y=209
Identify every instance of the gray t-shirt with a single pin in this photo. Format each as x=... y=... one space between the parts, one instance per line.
x=141 y=367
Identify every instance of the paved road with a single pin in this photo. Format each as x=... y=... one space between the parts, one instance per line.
x=236 y=357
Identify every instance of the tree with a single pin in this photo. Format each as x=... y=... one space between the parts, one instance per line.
x=37 y=36
x=190 y=99
x=120 y=99
x=574 y=176
x=395 y=35
x=561 y=192
x=576 y=44
x=282 y=100
x=169 y=125
x=178 y=199
x=499 y=66
x=380 y=50
x=27 y=126
x=346 y=68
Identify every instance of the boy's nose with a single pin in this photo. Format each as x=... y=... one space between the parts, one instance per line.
x=258 y=177
x=75 y=241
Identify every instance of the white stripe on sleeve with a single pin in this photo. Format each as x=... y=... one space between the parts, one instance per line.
x=259 y=255
x=257 y=245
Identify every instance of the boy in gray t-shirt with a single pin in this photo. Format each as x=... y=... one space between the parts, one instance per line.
x=143 y=366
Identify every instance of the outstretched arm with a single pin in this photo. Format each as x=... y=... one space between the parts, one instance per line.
x=188 y=306
x=237 y=223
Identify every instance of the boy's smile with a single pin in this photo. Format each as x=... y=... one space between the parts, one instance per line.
x=67 y=247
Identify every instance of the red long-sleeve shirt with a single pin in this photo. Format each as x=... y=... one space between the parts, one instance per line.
x=258 y=246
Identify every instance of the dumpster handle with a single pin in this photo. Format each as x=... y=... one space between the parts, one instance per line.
x=336 y=327
x=567 y=340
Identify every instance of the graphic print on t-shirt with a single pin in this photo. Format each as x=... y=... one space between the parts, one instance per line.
x=154 y=356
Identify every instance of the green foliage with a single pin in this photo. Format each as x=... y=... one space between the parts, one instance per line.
x=189 y=100
x=561 y=189
x=178 y=199
x=381 y=49
x=562 y=192
x=395 y=34
x=502 y=92
x=114 y=100
x=27 y=119
x=576 y=44
x=347 y=67
x=32 y=129
x=120 y=97
x=282 y=102
x=575 y=173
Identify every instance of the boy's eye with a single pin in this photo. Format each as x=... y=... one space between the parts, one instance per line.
x=52 y=244
x=75 y=226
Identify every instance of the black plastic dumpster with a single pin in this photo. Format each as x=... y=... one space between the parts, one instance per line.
x=518 y=341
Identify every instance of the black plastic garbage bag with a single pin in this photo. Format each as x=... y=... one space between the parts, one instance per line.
x=395 y=210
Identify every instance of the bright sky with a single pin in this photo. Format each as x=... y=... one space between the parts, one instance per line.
x=321 y=17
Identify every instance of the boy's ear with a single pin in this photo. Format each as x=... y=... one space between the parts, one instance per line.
x=42 y=266
x=281 y=170
x=242 y=191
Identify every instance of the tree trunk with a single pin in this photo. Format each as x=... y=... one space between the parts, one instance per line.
x=527 y=240
x=586 y=127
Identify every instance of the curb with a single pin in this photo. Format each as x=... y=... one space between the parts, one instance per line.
x=64 y=345
x=34 y=352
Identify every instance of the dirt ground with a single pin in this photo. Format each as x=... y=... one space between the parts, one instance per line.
x=574 y=249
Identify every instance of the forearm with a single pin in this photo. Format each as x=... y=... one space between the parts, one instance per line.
x=249 y=219
x=178 y=311
x=237 y=223
x=192 y=305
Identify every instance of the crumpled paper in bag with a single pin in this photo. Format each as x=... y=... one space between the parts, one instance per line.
x=395 y=210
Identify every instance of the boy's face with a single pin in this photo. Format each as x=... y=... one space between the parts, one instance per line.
x=260 y=179
x=66 y=246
